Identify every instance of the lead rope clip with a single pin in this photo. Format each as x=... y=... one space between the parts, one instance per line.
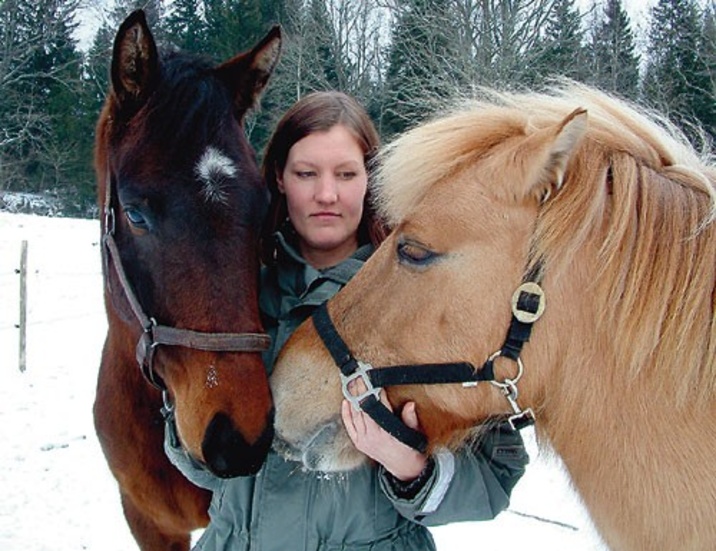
x=521 y=418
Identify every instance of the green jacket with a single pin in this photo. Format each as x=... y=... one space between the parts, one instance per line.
x=285 y=508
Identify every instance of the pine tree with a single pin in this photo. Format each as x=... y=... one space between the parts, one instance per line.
x=420 y=55
x=185 y=26
x=614 y=62
x=706 y=103
x=44 y=143
x=232 y=26
x=561 y=51
x=67 y=160
x=677 y=80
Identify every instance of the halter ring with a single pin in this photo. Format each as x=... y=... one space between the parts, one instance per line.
x=507 y=383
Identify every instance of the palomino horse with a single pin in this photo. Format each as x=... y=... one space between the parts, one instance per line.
x=604 y=220
x=183 y=202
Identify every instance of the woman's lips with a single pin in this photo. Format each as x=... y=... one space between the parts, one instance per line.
x=325 y=215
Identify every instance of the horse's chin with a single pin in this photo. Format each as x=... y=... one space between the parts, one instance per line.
x=328 y=449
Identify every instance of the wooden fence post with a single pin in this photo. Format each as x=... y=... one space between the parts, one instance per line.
x=23 y=305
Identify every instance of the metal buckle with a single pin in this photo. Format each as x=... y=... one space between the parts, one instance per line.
x=361 y=373
x=535 y=291
x=146 y=347
x=109 y=221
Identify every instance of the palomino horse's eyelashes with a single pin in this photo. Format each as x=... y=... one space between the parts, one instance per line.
x=415 y=254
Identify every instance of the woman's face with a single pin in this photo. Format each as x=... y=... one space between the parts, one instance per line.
x=325 y=182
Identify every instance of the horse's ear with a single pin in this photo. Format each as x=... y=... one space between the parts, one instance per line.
x=247 y=74
x=552 y=148
x=135 y=62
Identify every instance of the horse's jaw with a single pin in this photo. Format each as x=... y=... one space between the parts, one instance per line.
x=306 y=390
x=328 y=449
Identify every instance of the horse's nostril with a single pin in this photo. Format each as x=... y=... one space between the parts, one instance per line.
x=228 y=454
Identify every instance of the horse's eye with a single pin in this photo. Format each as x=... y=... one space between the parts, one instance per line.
x=135 y=218
x=415 y=254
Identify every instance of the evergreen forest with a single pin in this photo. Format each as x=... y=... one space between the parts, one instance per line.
x=404 y=59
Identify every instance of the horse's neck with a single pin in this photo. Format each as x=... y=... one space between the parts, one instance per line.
x=634 y=458
x=638 y=456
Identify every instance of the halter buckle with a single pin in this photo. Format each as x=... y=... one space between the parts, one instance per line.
x=361 y=373
x=146 y=347
x=528 y=302
x=109 y=221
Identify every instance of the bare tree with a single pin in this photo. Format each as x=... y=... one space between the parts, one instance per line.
x=36 y=66
x=446 y=48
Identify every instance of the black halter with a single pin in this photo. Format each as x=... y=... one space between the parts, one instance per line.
x=528 y=304
x=153 y=334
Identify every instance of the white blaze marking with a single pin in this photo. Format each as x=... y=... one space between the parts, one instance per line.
x=215 y=170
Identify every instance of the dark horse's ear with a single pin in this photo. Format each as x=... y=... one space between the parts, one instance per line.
x=135 y=63
x=247 y=74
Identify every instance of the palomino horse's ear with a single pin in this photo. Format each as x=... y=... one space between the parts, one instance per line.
x=553 y=148
x=247 y=73
x=134 y=63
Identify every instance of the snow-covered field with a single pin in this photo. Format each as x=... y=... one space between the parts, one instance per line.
x=56 y=493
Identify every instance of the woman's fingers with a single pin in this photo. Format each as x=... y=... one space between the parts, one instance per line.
x=410 y=416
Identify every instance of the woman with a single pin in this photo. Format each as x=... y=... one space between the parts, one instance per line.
x=322 y=228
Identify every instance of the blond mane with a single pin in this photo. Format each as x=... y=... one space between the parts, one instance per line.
x=635 y=181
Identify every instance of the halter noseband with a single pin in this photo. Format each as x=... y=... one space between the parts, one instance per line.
x=528 y=304
x=154 y=334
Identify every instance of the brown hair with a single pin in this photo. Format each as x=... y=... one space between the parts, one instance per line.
x=318 y=112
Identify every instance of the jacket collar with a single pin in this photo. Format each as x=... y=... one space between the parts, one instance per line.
x=341 y=272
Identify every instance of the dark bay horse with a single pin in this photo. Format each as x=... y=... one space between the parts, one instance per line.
x=183 y=203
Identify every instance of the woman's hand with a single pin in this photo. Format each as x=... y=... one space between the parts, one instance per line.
x=403 y=462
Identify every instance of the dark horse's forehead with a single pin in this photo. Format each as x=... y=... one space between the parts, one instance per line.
x=188 y=127
x=190 y=108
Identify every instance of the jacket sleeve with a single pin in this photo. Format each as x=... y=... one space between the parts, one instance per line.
x=194 y=472
x=474 y=483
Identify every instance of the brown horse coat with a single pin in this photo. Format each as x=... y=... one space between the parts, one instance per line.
x=183 y=203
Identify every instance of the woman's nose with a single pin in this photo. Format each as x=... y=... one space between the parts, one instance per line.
x=326 y=190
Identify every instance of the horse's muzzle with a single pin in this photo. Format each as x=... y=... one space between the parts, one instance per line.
x=226 y=452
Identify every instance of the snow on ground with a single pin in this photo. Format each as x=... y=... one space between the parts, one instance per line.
x=57 y=493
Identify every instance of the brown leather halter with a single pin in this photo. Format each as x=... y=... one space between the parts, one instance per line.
x=154 y=334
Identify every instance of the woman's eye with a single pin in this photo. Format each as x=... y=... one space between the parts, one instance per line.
x=304 y=174
x=346 y=175
x=415 y=254
x=135 y=217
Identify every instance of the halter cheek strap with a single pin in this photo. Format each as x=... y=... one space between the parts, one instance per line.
x=153 y=334
x=369 y=401
x=527 y=307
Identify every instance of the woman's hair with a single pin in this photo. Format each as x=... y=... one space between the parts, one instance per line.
x=318 y=112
